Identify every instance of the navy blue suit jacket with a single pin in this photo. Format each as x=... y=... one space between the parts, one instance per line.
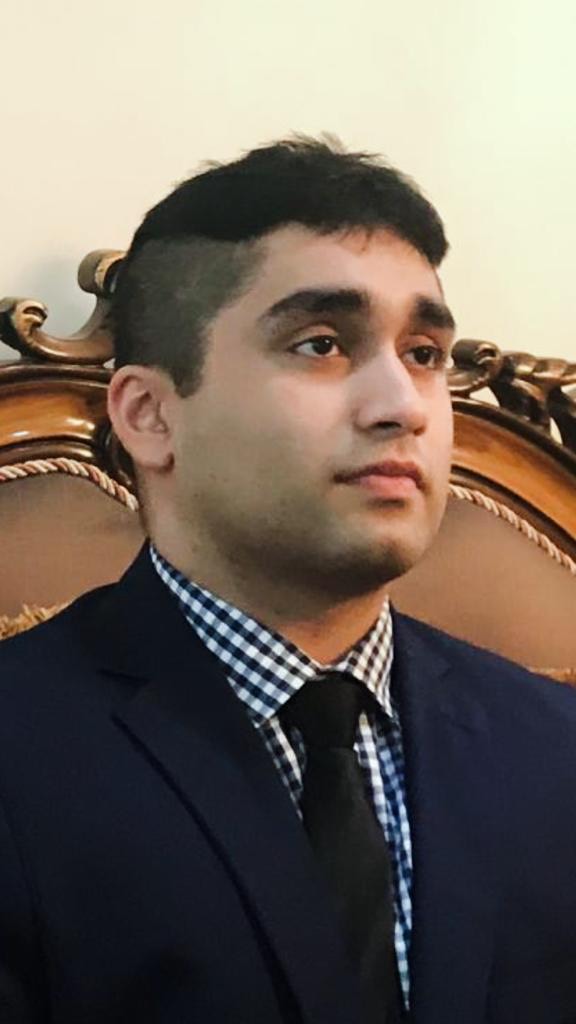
x=153 y=869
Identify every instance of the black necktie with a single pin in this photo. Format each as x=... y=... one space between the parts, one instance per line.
x=345 y=835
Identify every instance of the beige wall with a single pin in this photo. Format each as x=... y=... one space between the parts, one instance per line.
x=106 y=105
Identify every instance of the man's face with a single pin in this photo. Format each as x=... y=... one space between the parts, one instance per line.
x=332 y=359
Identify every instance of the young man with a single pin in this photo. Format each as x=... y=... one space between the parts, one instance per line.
x=237 y=787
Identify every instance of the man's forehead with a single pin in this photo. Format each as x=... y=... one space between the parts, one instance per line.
x=295 y=258
x=388 y=276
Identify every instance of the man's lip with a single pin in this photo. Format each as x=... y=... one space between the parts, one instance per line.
x=388 y=468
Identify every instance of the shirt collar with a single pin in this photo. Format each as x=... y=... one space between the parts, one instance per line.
x=263 y=667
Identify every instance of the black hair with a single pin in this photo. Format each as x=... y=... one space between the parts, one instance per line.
x=195 y=250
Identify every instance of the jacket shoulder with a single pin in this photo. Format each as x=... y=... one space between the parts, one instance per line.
x=48 y=644
x=498 y=682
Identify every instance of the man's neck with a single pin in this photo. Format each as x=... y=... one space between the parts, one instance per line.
x=325 y=629
x=328 y=638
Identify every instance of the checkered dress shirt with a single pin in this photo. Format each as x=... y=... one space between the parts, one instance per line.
x=265 y=669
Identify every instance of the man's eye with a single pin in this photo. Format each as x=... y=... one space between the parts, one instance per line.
x=321 y=343
x=428 y=356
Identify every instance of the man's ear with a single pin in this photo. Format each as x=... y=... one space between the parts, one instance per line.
x=138 y=406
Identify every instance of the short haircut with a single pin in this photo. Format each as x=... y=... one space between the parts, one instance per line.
x=197 y=249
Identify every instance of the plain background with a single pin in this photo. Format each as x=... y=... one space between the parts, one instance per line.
x=106 y=106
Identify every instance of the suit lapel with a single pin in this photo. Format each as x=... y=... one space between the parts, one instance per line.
x=186 y=718
x=453 y=811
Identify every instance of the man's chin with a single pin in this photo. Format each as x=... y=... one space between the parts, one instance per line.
x=380 y=570
x=360 y=572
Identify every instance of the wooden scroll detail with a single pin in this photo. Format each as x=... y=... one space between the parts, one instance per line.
x=22 y=320
x=532 y=389
x=476 y=365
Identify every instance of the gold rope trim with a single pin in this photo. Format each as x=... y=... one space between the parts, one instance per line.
x=72 y=467
x=28 y=616
x=505 y=513
x=561 y=675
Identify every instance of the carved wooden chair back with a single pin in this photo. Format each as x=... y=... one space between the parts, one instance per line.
x=501 y=574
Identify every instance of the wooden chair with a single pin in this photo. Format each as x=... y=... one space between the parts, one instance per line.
x=501 y=574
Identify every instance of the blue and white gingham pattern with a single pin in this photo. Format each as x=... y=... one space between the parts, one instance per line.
x=265 y=670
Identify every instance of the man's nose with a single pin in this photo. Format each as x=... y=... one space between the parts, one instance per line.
x=389 y=396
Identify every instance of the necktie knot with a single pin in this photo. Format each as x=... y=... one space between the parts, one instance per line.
x=326 y=711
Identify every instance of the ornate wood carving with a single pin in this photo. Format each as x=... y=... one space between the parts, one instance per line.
x=533 y=389
x=53 y=399
x=22 y=320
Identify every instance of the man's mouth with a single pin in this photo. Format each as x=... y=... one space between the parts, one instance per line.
x=388 y=477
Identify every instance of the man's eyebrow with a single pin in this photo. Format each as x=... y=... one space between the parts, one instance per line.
x=319 y=300
x=434 y=313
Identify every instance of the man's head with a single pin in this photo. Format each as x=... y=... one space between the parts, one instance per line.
x=280 y=325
